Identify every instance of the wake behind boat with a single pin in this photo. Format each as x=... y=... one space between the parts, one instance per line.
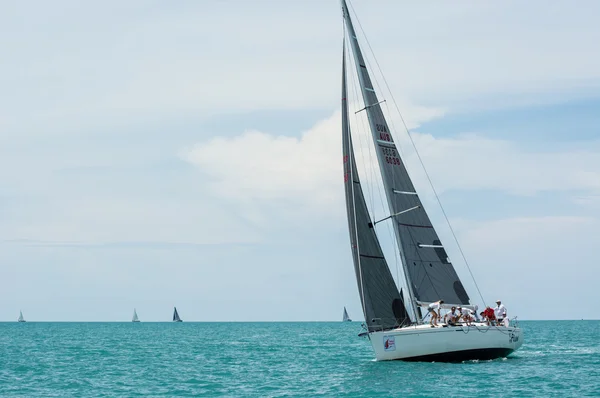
x=395 y=327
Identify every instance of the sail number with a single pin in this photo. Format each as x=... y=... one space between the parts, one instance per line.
x=384 y=134
x=391 y=156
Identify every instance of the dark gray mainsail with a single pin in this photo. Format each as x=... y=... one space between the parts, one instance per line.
x=378 y=291
x=429 y=273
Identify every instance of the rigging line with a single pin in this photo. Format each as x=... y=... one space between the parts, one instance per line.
x=360 y=126
x=381 y=192
x=384 y=206
x=371 y=184
x=420 y=160
x=351 y=182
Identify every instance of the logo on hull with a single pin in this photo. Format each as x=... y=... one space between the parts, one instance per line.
x=513 y=337
x=389 y=343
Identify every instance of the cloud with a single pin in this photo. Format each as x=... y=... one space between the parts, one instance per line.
x=307 y=169
x=263 y=166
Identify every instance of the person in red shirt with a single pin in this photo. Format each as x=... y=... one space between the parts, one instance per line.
x=489 y=316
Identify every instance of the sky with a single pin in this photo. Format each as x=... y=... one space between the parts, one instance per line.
x=188 y=153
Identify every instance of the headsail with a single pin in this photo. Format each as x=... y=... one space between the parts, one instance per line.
x=429 y=273
x=176 y=317
x=377 y=289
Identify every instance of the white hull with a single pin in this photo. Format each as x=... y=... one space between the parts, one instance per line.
x=446 y=344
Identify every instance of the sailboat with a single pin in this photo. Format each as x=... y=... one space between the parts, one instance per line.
x=393 y=319
x=135 y=316
x=21 y=319
x=176 y=317
x=346 y=318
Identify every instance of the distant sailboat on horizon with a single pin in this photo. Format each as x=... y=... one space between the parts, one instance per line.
x=135 y=316
x=21 y=319
x=346 y=318
x=176 y=317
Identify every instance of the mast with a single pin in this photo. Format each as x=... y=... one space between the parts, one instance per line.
x=428 y=272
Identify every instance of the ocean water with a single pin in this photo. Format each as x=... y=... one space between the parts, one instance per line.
x=558 y=359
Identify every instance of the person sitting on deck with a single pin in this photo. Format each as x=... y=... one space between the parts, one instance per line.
x=451 y=317
x=500 y=312
x=435 y=315
x=489 y=316
x=483 y=317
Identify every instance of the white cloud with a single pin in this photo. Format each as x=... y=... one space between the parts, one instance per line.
x=262 y=166
x=259 y=165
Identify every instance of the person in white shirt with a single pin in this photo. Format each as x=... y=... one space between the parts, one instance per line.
x=467 y=315
x=451 y=317
x=435 y=315
x=500 y=311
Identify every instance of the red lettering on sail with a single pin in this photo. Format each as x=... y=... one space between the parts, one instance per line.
x=392 y=160
x=385 y=137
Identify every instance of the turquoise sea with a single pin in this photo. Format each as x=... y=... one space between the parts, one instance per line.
x=559 y=358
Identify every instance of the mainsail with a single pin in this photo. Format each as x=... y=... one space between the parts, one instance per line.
x=21 y=319
x=378 y=291
x=135 y=316
x=429 y=273
x=176 y=317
